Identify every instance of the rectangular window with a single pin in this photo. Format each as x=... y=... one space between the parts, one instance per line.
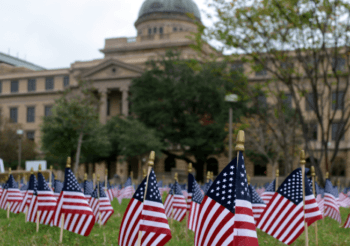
x=312 y=131
x=65 y=81
x=49 y=84
x=287 y=100
x=337 y=131
x=30 y=135
x=309 y=102
x=338 y=100
x=48 y=111
x=31 y=85
x=161 y=30
x=13 y=115
x=30 y=114
x=174 y=29
x=0 y=87
x=155 y=30
x=149 y=31
x=338 y=64
x=14 y=86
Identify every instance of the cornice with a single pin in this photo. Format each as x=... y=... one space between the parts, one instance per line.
x=31 y=93
x=34 y=74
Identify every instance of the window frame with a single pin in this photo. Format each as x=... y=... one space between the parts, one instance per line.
x=334 y=136
x=45 y=110
x=31 y=87
x=13 y=83
x=30 y=115
x=47 y=83
x=27 y=133
x=66 y=81
x=11 y=119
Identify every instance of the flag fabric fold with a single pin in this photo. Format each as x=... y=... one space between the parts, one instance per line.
x=330 y=202
x=258 y=204
x=269 y=192
x=100 y=203
x=196 y=201
x=28 y=194
x=46 y=201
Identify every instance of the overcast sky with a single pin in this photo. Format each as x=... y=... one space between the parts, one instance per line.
x=56 y=33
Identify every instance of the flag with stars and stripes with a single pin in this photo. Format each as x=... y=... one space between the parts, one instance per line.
x=189 y=190
x=207 y=186
x=147 y=217
x=46 y=201
x=33 y=206
x=78 y=216
x=169 y=202
x=100 y=204
x=330 y=201
x=269 y=192
x=283 y=217
x=88 y=189
x=196 y=201
x=127 y=191
x=109 y=191
x=344 y=200
x=312 y=211
x=319 y=198
x=179 y=206
x=13 y=196
x=3 y=197
x=29 y=193
x=258 y=204
x=57 y=187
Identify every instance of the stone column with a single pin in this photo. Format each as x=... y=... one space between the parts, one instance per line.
x=103 y=105
x=125 y=105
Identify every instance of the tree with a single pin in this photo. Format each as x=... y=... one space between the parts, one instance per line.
x=184 y=101
x=9 y=145
x=131 y=138
x=74 y=128
x=304 y=47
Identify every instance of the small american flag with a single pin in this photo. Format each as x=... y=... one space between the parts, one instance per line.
x=330 y=202
x=88 y=189
x=57 y=187
x=319 y=198
x=344 y=200
x=258 y=204
x=312 y=211
x=109 y=191
x=207 y=186
x=3 y=198
x=283 y=218
x=189 y=190
x=13 y=196
x=100 y=203
x=46 y=201
x=127 y=191
x=149 y=218
x=29 y=193
x=195 y=205
x=179 y=206
x=79 y=217
x=269 y=192
x=33 y=206
x=168 y=203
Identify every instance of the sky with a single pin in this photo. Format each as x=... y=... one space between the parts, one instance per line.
x=56 y=33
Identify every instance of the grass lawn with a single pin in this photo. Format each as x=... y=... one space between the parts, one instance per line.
x=16 y=232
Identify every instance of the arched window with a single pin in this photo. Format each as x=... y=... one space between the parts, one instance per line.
x=213 y=165
x=338 y=167
x=169 y=163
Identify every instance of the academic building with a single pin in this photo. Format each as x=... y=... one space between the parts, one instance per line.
x=28 y=91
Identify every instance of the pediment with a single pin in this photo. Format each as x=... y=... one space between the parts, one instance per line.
x=112 y=68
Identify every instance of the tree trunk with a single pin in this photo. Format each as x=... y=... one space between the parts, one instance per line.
x=77 y=156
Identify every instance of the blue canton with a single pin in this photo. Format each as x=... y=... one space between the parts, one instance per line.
x=42 y=185
x=153 y=193
x=128 y=182
x=256 y=199
x=102 y=192
x=70 y=182
x=190 y=183
x=291 y=188
x=223 y=188
x=138 y=195
x=319 y=190
x=88 y=187
x=242 y=191
x=58 y=186
x=160 y=184
x=308 y=185
x=272 y=186
x=197 y=195
x=94 y=194
x=11 y=182
x=177 y=189
x=330 y=189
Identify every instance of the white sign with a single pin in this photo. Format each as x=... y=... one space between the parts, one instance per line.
x=35 y=165
x=2 y=169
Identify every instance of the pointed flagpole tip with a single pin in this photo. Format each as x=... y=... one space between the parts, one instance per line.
x=190 y=167
x=51 y=168
x=208 y=175
x=151 y=158
x=302 y=157
x=277 y=172
x=327 y=175
x=68 y=162
x=10 y=171
x=175 y=177
x=313 y=171
x=85 y=176
x=240 y=141
x=31 y=171
x=39 y=167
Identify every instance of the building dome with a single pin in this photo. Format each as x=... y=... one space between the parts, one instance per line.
x=169 y=6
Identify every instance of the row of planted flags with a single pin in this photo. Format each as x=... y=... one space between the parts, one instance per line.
x=226 y=211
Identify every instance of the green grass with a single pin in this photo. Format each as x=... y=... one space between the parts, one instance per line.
x=16 y=232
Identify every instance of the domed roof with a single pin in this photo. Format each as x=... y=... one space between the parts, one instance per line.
x=174 y=6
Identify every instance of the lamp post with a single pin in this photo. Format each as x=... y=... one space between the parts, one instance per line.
x=19 y=133
x=230 y=98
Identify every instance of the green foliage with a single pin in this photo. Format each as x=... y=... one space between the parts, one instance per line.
x=130 y=137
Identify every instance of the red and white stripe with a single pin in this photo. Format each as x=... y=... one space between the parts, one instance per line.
x=282 y=219
x=347 y=222
x=14 y=198
x=344 y=200
x=189 y=201
x=103 y=206
x=331 y=207
x=320 y=203
x=26 y=201
x=260 y=191
x=168 y=205
x=32 y=210
x=179 y=207
x=46 y=206
x=193 y=216
x=78 y=216
x=258 y=209
x=312 y=211
x=266 y=196
x=126 y=192
x=215 y=224
x=3 y=199
x=88 y=199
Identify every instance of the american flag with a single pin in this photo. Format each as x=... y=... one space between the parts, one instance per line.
x=179 y=206
x=258 y=204
x=319 y=198
x=3 y=197
x=46 y=201
x=269 y=192
x=189 y=190
x=13 y=195
x=312 y=211
x=195 y=204
x=149 y=218
x=33 y=206
x=29 y=193
x=207 y=186
x=88 y=189
x=78 y=216
x=344 y=200
x=127 y=191
x=100 y=203
x=283 y=218
x=168 y=203
x=347 y=222
x=330 y=201
x=57 y=187
x=260 y=190
x=108 y=191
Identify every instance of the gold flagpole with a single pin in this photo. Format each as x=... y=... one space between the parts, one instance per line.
x=248 y=179
x=150 y=165
x=313 y=188
x=93 y=180
x=62 y=216
x=239 y=143
x=25 y=206
x=188 y=185
x=302 y=163
x=8 y=204
x=144 y=173
x=98 y=199
x=37 y=212
x=277 y=175
x=50 y=178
